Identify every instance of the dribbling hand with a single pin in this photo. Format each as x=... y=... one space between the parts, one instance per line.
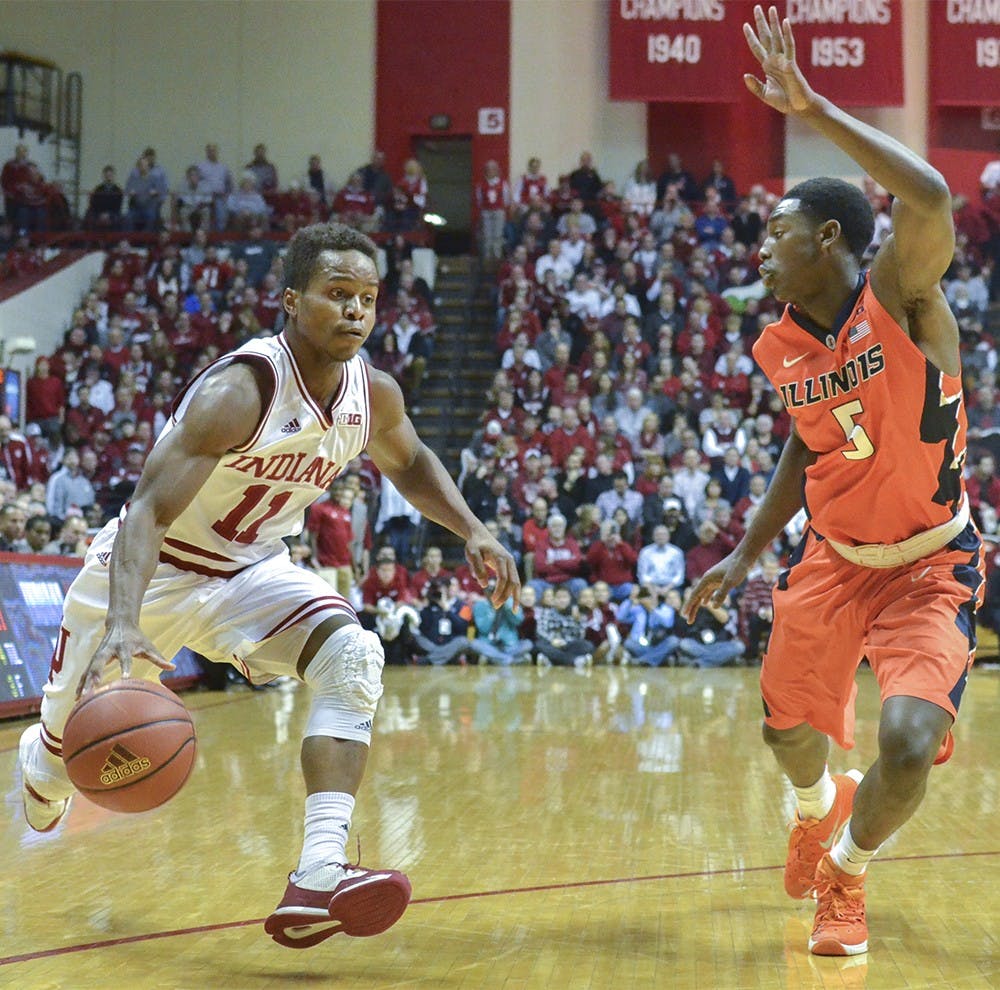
x=784 y=87
x=485 y=554
x=121 y=644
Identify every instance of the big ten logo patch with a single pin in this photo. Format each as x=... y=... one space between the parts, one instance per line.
x=349 y=419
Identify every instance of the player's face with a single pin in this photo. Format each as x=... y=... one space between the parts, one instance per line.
x=336 y=312
x=789 y=252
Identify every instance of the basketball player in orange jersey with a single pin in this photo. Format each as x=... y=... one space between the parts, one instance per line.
x=197 y=559
x=889 y=568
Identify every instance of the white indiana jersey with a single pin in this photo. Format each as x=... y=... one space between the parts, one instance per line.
x=259 y=492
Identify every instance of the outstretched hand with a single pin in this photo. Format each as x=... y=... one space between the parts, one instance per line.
x=486 y=554
x=121 y=644
x=784 y=87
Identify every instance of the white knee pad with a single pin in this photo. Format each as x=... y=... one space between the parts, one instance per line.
x=346 y=678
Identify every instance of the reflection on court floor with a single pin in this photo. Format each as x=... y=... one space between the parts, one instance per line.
x=611 y=828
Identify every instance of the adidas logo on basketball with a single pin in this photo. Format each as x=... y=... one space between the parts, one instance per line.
x=292 y=426
x=122 y=763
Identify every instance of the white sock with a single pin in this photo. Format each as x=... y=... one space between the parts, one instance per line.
x=816 y=800
x=328 y=819
x=848 y=856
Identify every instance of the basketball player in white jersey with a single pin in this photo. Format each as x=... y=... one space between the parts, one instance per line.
x=197 y=559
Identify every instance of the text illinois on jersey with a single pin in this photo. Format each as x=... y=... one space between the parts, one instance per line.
x=830 y=384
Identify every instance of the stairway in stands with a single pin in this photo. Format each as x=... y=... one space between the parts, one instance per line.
x=459 y=374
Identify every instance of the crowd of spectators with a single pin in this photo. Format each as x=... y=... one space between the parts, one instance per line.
x=626 y=440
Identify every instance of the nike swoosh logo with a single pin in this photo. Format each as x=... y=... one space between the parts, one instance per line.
x=828 y=843
x=788 y=363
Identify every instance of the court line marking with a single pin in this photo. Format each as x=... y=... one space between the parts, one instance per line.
x=539 y=888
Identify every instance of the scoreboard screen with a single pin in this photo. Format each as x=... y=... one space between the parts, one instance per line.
x=32 y=589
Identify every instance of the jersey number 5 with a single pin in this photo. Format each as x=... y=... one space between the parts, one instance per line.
x=230 y=527
x=854 y=432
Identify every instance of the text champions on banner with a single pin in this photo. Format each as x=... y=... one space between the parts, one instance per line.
x=693 y=50
x=965 y=52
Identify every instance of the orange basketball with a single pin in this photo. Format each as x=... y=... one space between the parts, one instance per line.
x=129 y=746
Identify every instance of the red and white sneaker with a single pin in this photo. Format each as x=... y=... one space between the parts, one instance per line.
x=40 y=812
x=351 y=900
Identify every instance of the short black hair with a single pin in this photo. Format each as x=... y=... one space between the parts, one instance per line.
x=834 y=199
x=310 y=242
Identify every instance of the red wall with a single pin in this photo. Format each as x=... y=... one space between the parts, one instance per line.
x=441 y=56
x=748 y=136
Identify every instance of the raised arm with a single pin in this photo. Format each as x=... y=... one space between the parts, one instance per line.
x=913 y=259
x=423 y=481
x=175 y=471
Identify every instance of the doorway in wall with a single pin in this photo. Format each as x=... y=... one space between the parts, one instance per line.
x=447 y=163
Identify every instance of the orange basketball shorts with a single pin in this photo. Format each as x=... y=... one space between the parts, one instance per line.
x=915 y=624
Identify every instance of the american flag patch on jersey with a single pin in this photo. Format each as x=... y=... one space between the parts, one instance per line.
x=858 y=331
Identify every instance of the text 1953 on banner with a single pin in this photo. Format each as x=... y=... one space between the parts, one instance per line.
x=694 y=50
x=965 y=52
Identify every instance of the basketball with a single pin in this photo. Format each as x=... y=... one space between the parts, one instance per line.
x=129 y=746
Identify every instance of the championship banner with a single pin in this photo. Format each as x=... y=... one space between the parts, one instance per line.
x=678 y=50
x=694 y=50
x=964 y=52
x=850 y=51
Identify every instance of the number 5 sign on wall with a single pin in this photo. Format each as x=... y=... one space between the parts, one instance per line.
x=492 y=120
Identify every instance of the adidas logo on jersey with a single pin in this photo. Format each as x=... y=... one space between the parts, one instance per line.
x=292 y=426
x=104 y=556
x=364 y=726
x=122 y=762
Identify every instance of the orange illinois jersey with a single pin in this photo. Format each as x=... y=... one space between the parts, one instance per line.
x=888 y=427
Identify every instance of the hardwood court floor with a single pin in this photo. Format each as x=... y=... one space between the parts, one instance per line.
x=616 y=829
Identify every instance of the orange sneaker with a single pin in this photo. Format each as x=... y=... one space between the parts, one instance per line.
x=812 y=837
x=840 y=928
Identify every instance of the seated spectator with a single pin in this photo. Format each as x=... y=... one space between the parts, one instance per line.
x=68 y=488
x=386 y=585
x=708 y=551
x=756 y=608
x=264 y=172
x=104 y=209
x=191 y=203
x=146 y=191
x=219 y=182
x=557 y=559
x=708 y=641
x=499 y=636
x=639 y=193
x=620 y=495
x=72 y=540
x=649 y=625
x=444 y=622
x=38 y=534
x=660 y=565
x=733 y=478
x=246 y=207
x=613 y=561
x=13 y=520
x=690 y=480
x=330 y=532
x=355 y=205
x=45 y=399
x=16 y=461
x=561 y=636
x=631 y=415
x=432 y=571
